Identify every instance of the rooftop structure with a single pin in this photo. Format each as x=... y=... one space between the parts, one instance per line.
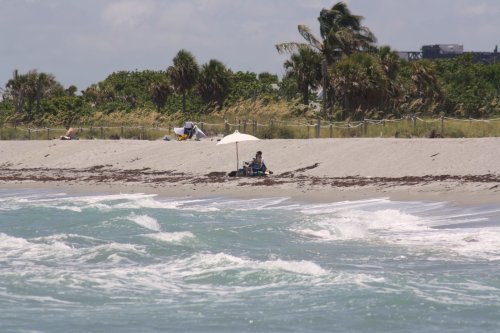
x=439 y=51
x=449 y=51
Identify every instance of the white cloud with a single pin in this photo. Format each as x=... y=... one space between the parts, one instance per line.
x=479 y=9
x=128 y=14
x=475 y=10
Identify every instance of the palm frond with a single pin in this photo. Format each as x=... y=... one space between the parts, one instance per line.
x=290 y=47
x=305 y=32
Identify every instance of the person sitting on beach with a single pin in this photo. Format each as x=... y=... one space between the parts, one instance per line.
x=257 y=165
x=70 y=134
x=189 y=129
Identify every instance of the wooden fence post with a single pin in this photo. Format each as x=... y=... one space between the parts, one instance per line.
x=318 y=129
x=244 y=126
x=442 y=126
x=48 y=133
x=102 y=133
x=226 y=127
x=254 y=127
x=29 y=133
x=365 y=127
x=121 y=131
x=331 y=130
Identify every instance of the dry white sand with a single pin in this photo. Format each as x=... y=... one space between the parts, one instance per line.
x=464 y=170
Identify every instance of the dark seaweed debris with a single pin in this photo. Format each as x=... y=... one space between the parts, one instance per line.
x=106 y=174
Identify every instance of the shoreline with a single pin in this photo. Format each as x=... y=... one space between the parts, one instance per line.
x=453 y=192
x=465 y=171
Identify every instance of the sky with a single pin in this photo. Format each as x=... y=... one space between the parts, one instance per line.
x=83 y=41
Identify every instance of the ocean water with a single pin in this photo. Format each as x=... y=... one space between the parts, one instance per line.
x=145 y=263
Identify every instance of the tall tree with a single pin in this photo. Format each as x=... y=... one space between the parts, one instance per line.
x=361 y=84
x=99 y=94
x=71 y=90
x=29 y=89
x=214 y=82
x=15 y=88
x=391 y=63
x=160 y=91
x=305 y=67
x=341 y=33
x=426 y=90
x=183 y=74
x=45 y=86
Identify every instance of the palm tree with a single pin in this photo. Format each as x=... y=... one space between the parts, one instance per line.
x=183 y=74
x=341 y=33
x=426 y=89
x=214 y=82
x=45 y=86
x=30 y=89
x=361 y=84
x=15 y=88
x=160 y=91
x=391 y=63
x=98 y=94
x=305 y=68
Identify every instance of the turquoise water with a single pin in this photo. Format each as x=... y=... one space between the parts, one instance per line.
x=144 y=263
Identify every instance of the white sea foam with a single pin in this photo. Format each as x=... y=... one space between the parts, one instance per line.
x=218 y=204
x=23 y=249
x=109 y=252
x=329 y=208
x=356 y=224
x=110 y=202
x=177 y=276
x=409 y=224
x=145 y=221
x=147 y=203
x=207 y=262
x=78 y=243
x=359 y=279
x=198 y=273
x=300 y=267
x=172 y=237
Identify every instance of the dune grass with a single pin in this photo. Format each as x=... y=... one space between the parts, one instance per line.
x=262 y=118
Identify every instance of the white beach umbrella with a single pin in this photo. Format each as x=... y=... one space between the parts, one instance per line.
x=235 y=138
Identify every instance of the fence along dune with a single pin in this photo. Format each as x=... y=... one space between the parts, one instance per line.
x=278 y=129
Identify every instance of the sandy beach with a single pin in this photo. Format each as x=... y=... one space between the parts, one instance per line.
x=321 y=170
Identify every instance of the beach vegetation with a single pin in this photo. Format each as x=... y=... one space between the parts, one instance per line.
x=213 y=83
x=160 y=91
x=304 y=67
x=341 y=34
x=184 y=74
